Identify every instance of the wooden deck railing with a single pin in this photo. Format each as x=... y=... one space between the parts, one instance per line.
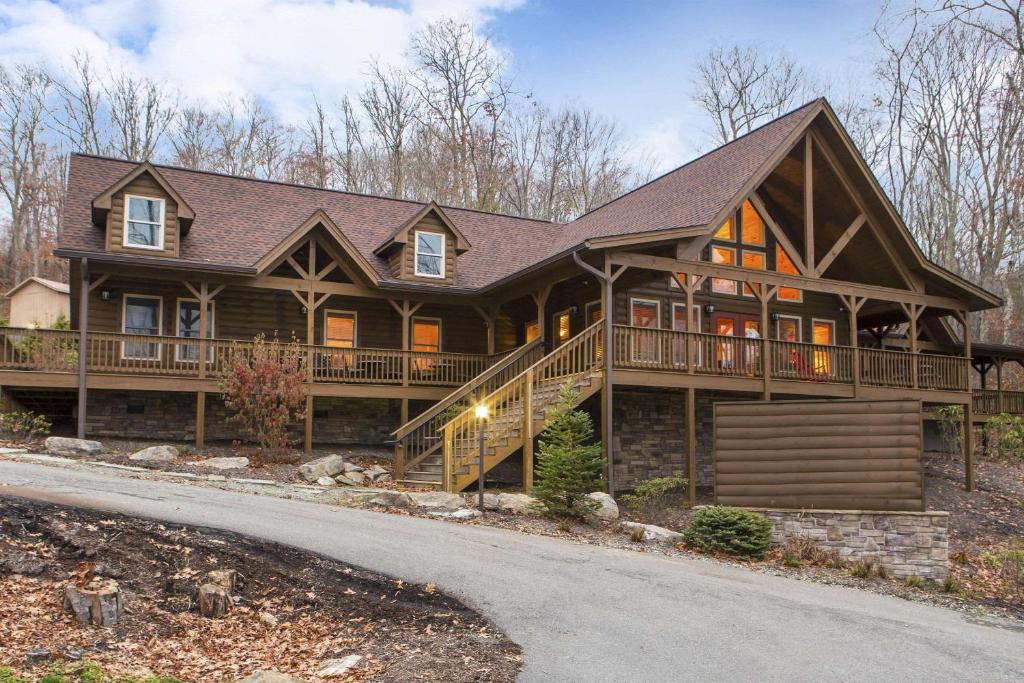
x=994 y=402
x=638 y=348
x=166 y=356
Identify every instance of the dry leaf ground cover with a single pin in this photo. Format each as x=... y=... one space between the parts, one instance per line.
x=323 y=609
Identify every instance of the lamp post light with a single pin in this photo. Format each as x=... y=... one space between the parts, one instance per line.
x=481 y=416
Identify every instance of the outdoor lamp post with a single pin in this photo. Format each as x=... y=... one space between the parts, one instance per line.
x=481 y=416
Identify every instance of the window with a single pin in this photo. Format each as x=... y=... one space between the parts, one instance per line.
x=784 y=264
x=728 y=230
x=751 y=225
x=188 y=327
x=562 y=324
x=593 y=312
x=645 y=313
x=754 y=260
x=532 y=331
x=823 y=332
x=429 y=254
x=723 y=256
x=340 y=329
x=426 y=334
x=789 y=328
x=143 y=222
x=141 y=316
x=681 y=323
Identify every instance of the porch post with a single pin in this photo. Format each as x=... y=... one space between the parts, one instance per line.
x=310 y=362
x=83 y=348
x=764 y=293
x=204 y=326
x=691 y=445
x=528 y=433
x=968 y=414
x=999 y=384
x=540 y=297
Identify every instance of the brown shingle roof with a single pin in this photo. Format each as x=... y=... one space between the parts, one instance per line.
x=239 y=220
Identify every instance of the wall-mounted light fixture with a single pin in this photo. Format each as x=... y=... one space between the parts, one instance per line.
x=709 y=308
x=574 y=309
x=106 y=294
x=775 y=317
x=305 y=310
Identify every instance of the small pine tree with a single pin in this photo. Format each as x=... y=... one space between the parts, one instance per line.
x=568 y=465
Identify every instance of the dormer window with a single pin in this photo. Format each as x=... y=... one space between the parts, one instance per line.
x=143 y=222
x=429 y=254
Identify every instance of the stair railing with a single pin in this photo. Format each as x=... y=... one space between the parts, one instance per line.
x=421 y=436
x=512 y=407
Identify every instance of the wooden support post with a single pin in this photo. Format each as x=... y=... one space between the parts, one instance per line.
x=490 y=317
x=999 y=384
x=83 y=346
x=764 y=294
x=691 y=445
x=308 y=436
x=528 y=433
x=853 y=305
x=540 y=297
x=809 y=259
x=200 y=419
x=968 y=414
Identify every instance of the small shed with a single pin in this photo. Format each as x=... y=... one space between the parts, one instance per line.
x=37 y=302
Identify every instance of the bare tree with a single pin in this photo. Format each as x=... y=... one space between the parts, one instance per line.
x=192 y=138
x=79 y=113
x=391 y=107
x=743 y=87
x=140 y=113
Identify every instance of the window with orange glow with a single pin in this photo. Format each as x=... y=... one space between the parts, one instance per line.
x=340 y=330
x=823 y=332
x=562 y=322
x=532 y=331
x=784 y=264
x=754 y=260
x=726 y=257
x=426 y=335
x=752 y=230
x=727 y=231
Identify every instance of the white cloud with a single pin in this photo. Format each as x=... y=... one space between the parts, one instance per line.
x=280 y=50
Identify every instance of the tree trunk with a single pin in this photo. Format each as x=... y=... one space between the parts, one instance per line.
x=214 y=600
x=99 y=602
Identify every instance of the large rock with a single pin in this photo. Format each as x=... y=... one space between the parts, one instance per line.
x=20 y=562
x=334 y=668
x=235 y=463
x=437 y=500
x=391 y=499
x=608 y=510
x=374 y=473
x=269 y=676
x=155 y=454
x=326 y=481
x=517 y=503
x=490 y=500
x=62 y=445
x=327 y=466
x=351 y=478
x=654 y=533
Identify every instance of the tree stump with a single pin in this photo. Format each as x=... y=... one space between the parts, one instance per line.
x=214 y=600
x=98 y=602
x=225 y=578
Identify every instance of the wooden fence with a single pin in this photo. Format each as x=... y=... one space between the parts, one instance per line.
x=831 y=454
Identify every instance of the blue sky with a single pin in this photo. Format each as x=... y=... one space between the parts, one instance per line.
x=633 y=61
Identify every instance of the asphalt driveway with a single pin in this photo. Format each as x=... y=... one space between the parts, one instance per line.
x=584 y=613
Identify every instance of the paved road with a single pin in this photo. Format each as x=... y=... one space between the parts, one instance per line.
x=583 y=613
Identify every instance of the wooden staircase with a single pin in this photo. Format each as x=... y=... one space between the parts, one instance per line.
x=419 y=443
x=517 y=410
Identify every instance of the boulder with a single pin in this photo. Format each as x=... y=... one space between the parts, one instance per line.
x=351 y=478
x=517 y=503
x=375 y=472
x=235 y=463
x=155 y=454
x=437 y=500
x=269 y=676
x=383 y=478
x=654 y=533
x=608 y=510
x=490 y=500
x=334 y=668
x=391 y=499
x=327 y=466
x=350 y=467
x=62 y=445
x=465 y=513
x=20 y=562
x=326 y=481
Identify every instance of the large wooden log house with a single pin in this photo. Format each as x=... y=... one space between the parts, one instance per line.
x=758 y=271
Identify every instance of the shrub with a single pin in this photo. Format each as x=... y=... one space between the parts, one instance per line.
x=863 y=569
x=25 y=425
x=568 y=464
x=87 y=672
x=263 y=388
x=653 y=495
x=730 y=530
x=800 y=550
x=950 y=585
x=913 y=581
x=1005 y=436
x=8 y=675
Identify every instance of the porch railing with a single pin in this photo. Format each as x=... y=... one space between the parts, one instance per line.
x=638 y=348
x=994 y=401
x=167 y=356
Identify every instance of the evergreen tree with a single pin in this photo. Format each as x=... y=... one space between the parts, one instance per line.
x=568 y=465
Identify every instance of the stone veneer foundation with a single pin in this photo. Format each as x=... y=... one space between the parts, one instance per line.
x=904 y=543
x=171 y=416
